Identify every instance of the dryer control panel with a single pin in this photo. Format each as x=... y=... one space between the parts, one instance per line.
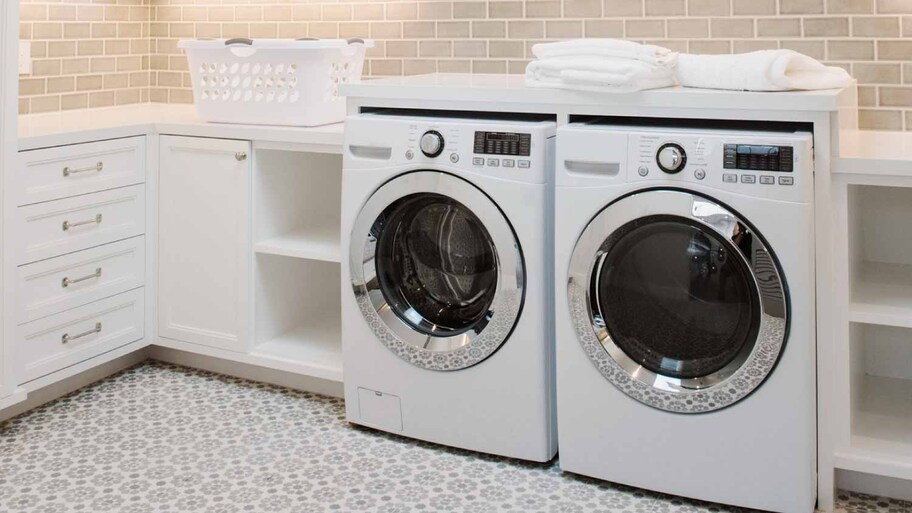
x=775 y=165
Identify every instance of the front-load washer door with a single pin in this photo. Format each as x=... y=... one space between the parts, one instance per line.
x=437 y=270
x=677 y=301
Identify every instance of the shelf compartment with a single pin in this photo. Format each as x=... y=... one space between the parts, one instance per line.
x=314 y=245
x=297 y=314
x=881 y=402
x=880 y=255
x=296 y=201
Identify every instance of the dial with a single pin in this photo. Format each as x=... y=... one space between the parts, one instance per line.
x=671 y=158
x=431 y=143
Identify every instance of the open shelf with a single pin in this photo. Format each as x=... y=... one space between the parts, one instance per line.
x=881 y=402
x=316 y=244
x=880 y=255
x=296 y=202
x=315 y=346
x=297 y=314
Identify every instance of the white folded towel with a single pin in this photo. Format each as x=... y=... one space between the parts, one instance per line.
x=596 y=47
x=764 y=70
x=600 y=74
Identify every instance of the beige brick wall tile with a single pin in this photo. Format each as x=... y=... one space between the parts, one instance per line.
x=877 y=73
x=801 y=6
x=688 y=28
x=871 y=119
x=708 y=7
x=644 y=28
x=826 y=27
x=779 y=27
x=850 y=6
x=848 y=50
x=622 y=8
x=753 y=7
x=582 y=8
x=875 y=26
x=732 y=27
x=894 y=6
x=666 y=7
x=91 y=53
x=603 y=28
x=894 y=50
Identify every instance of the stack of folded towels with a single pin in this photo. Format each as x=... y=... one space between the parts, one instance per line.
x=613 y=65
x=603 y=65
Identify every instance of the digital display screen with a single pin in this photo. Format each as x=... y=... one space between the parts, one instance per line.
x=758 y=157
x=503 y=143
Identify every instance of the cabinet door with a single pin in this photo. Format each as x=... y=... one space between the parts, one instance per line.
x=204 y=241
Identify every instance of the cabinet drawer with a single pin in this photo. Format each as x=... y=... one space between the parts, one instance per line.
x=58 y=284
x=57 y=227
x=53 y=343
x=55 y=173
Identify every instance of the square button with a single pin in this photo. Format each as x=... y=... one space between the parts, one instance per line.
x=748 y=179
x=786 y=180
x=767 y=180
x=729 y=178
x=525 y=164
x=509 y=163
x=478 y=161
x=494 y=162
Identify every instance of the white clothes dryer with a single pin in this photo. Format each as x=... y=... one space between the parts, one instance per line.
x=447 y=314
x=685 y=311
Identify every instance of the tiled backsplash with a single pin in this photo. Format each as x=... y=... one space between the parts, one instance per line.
x=90 y=53
x=872 y=38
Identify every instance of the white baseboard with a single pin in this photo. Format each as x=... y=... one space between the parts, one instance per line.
x=57 y=389
x=874 y=485
x=246 y=371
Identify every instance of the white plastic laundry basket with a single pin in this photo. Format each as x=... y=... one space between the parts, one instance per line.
x=273 y=81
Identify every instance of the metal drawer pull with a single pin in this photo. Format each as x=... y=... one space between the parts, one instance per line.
x=67 y=338
x=95 y=220
x=66 y=282
x=67 y=171
x=241 y=156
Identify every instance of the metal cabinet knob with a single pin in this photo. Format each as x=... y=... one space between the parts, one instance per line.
x=241 y=156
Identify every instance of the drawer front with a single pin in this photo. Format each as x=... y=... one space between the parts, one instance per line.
x=55 y=173
x=58 y=227
x=58 y=284
x=56 y=342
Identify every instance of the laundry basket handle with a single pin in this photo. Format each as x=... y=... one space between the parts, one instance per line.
x=239 y=41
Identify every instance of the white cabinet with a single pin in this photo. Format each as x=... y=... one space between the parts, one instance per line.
x=204 y=241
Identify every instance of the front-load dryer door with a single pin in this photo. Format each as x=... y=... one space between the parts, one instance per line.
x=677 y=301
x=437 y=270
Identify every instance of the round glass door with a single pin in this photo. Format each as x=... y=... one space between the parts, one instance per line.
x=666 y=284
x=436 y=264
x=436 y=270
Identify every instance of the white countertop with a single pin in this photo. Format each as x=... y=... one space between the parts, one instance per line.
x=874 y=153
x=511 y=90
x=69 y=127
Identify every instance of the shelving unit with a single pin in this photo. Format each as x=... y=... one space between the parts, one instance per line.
x=880 y=254
x=881 y=401
x=297 y=318
x=874 y=373
x=297 y=197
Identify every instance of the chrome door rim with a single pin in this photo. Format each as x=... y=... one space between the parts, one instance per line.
x=695 y=395
x=460 y=350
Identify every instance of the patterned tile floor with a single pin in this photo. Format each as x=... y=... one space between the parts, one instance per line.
x=163 y=438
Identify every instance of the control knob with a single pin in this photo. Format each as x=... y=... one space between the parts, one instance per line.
x=431 y=143
x=671 y=158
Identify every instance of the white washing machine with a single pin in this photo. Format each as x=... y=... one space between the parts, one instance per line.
x=685 y=311
x=447 y=304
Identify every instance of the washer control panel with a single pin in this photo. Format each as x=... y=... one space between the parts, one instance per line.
x=513 y=149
